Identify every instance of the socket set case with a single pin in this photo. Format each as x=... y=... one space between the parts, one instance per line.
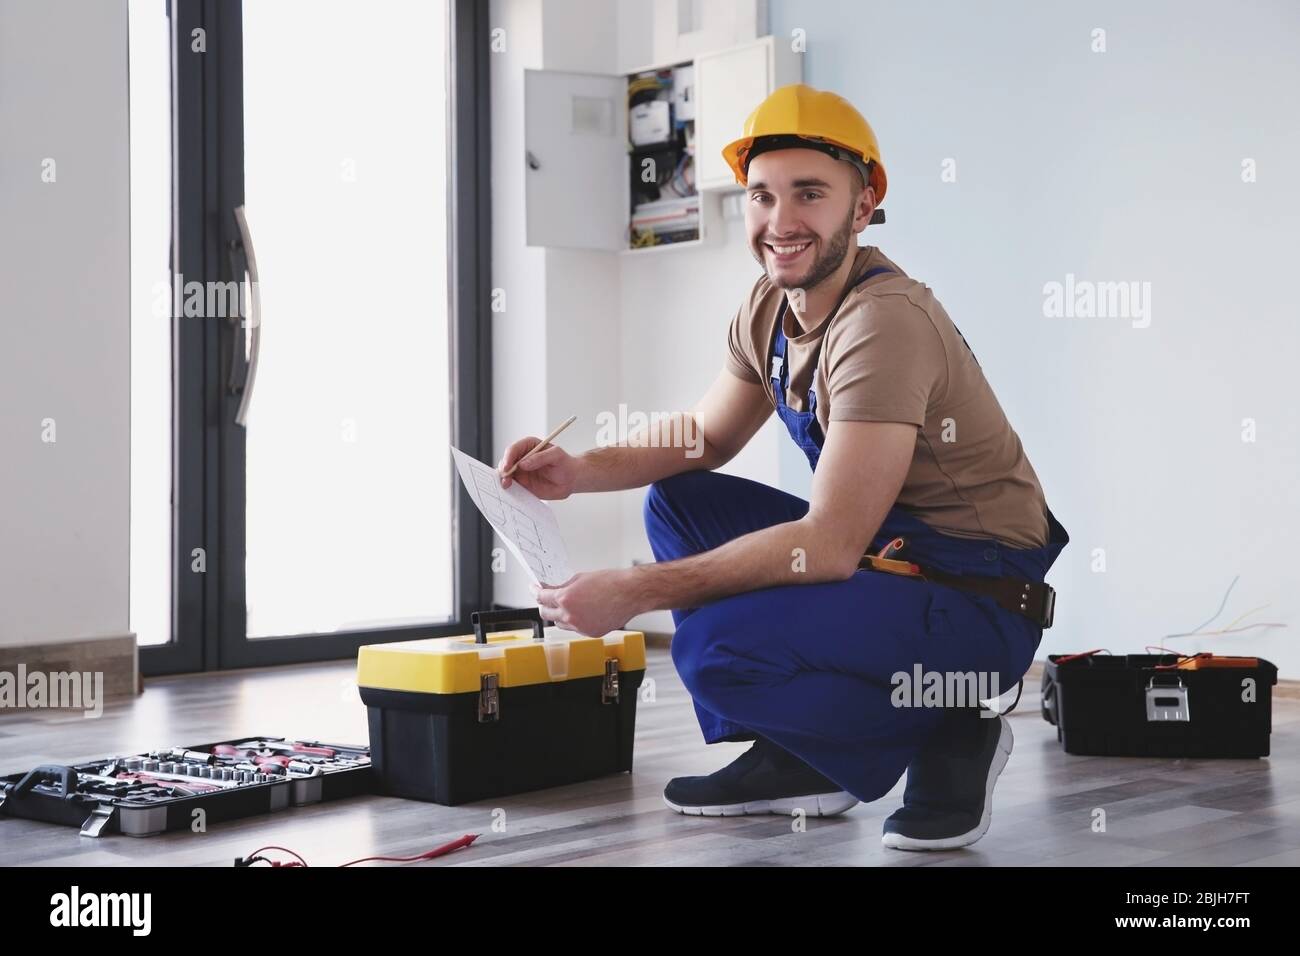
x=456 y=719
x=1159 y=705
x=149 y=793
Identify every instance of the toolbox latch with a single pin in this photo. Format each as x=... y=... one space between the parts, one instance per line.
x=1167 y=701
x=609 y=686
x=489 y=698
x=98 y=821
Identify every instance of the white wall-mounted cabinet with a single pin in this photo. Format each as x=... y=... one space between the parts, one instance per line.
x=581 y=163
x=729 y=84
x=575 y=135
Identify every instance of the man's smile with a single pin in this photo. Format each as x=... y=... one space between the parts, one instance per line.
x=787 y=252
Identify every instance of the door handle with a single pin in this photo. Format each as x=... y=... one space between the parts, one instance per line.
x=252 y=321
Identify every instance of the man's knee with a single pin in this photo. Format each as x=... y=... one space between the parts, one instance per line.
x=666 y=495
x=655 y=505
x=672 y=510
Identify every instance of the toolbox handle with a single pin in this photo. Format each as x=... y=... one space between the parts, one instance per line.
x=485 y=621
x=1165 y=680
x=66 y=776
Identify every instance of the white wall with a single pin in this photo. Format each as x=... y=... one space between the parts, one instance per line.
x=554 y=340
x=64 y=299
x=520 y=371
x=683 y=28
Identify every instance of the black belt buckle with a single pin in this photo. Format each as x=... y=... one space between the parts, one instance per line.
x=1049 y=606
x=1037 y=602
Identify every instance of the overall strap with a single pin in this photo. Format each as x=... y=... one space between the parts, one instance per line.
x=777 y=370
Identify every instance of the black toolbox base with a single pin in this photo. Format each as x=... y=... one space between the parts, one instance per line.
x=433 y=747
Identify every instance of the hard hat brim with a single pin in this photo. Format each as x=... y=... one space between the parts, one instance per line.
x=737 y=156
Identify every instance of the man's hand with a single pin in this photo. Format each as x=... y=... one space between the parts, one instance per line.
x=550 y=474
x=591 y=602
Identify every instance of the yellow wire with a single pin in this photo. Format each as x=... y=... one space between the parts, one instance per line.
x=1244 y=616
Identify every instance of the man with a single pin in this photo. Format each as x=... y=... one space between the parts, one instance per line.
x=782 y=638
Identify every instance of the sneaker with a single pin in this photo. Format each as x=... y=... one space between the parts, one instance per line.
x=948 y=800
x=764 y=779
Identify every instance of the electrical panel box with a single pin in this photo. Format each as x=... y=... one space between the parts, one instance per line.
x=633 y=162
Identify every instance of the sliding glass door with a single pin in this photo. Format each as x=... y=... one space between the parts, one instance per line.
x=327 y=162
x=348 y=497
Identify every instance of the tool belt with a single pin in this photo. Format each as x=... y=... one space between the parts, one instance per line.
x=1035 y=600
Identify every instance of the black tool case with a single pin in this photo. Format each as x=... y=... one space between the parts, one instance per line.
x=1143 y=705
x=149 y=793
x=457 y=719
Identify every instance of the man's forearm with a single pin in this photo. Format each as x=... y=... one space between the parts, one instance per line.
x=783 y=554
x=672 y=445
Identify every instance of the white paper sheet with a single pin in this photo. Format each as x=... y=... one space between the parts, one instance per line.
x=525 y=523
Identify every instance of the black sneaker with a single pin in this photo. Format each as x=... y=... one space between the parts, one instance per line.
x=948 y=800
x=764 y=779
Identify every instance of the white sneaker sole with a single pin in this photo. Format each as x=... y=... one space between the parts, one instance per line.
x=1006 y=740
x=814 y=805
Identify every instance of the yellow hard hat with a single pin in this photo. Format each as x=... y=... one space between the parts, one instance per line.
x=798 y=115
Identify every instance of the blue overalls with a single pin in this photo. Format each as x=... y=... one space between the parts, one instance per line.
x=812 y=666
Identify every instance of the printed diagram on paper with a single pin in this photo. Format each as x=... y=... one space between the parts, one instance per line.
x=525 y=523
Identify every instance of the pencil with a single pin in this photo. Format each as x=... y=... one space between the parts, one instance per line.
x=543 y=443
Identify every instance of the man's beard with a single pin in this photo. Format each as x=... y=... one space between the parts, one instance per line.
x=825 y=264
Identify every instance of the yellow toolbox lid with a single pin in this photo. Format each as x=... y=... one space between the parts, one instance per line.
x=454 y=665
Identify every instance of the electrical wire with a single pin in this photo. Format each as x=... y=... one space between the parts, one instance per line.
x=1231 y=628
x=1072 y=657
x=1215 y=616
x=298 y=861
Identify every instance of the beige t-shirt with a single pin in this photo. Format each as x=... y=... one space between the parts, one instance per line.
x=891 y=354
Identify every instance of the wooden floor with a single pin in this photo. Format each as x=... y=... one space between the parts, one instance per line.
x=1158 y=812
